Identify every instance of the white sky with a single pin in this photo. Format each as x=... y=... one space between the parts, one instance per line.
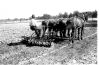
x=25 y=8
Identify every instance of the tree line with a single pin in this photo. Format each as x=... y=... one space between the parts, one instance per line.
x=88 y=14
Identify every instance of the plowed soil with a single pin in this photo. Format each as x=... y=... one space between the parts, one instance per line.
x=13 y=51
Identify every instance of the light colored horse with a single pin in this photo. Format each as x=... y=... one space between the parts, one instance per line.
x=78 y=24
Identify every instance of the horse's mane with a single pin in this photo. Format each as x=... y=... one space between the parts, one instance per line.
x=81 y=18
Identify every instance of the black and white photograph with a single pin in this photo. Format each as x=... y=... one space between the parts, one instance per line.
x=48 y=32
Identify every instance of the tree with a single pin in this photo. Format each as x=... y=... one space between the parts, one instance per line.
x=39 y=17
x=15 y=19
x=70 y=15
x=81 y=15
x=46 y=16
x=60 y=15
x=65 y=15
x=75 y=13
x=55 y=17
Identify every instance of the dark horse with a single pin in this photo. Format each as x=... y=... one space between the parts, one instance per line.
x=54 y=27
x=61 y=26
x=39 y=26
x=51 y=26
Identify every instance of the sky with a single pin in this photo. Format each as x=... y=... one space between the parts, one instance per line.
x=25 y=8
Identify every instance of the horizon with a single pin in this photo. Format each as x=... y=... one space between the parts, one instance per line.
x=11 y=9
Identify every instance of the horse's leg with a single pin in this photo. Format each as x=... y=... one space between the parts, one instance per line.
x=82 y=32
x=83 y=29
x=60 y=33
x=49 y=31
x=41 y=33
x=72 y=37
x=72 y=34
x=64 y=33
x=69 y=34
x=44 y=29
x=55 y=33
x=79 y=33
x=75 y=32
x=52 y=31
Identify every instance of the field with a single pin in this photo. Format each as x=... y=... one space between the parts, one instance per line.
x=14 y=52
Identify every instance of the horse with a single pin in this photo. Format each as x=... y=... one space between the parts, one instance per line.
x=57 y=26
x=70 y=27
x=78 y=24
x=51 y=24
x=39 y=26
x=61 y=26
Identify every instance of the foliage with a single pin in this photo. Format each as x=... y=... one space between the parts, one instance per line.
x=75 y=13
x=65 y=15
x=45 y=16
x=70 y=15
x=87 y=14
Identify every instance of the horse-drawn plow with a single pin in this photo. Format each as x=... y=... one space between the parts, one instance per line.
x=47 y=40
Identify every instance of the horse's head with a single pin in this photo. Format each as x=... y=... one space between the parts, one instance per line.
x=68 y=21
x=83 y=17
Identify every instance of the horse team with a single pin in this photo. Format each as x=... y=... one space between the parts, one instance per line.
x=73 y=26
